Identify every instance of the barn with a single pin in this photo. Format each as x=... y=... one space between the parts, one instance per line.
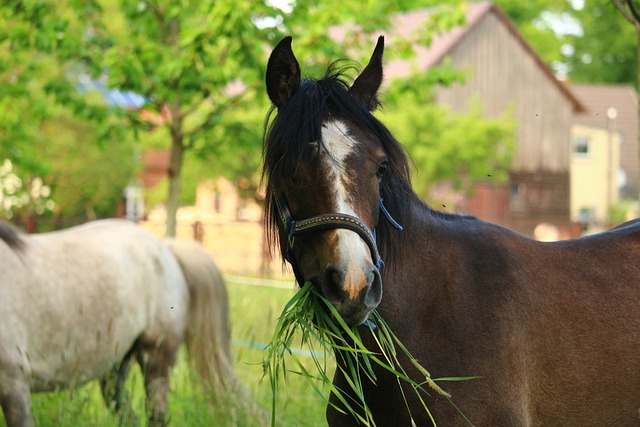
x=505 y=74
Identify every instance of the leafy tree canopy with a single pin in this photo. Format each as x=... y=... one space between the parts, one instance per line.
x=192 y=61
x=199 y=66
x=588 y=41
x=607 y=51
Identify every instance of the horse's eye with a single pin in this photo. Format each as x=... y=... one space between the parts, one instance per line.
x=382 y=168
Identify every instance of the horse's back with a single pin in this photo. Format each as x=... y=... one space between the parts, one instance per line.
x=574 y=320
x=81 y=297
x=552 y=329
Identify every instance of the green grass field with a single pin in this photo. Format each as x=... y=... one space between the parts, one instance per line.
x=253 y=311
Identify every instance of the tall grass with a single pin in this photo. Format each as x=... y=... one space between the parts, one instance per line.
x=253 y=313
x=311 y=320
x=298 y=404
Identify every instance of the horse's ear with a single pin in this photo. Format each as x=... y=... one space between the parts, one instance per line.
x=283 y=73
x=366 y=86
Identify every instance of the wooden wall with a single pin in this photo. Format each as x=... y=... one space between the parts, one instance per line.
x=504 y=76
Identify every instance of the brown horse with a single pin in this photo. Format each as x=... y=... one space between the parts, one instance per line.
x=552 y=330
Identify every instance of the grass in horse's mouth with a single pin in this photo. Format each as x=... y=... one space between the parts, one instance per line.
x=314 y=321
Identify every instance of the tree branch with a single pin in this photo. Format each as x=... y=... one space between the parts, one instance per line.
x=156 y=12
x=621 y=5
x=194 y=106
x=634 y=11
x=210 y=119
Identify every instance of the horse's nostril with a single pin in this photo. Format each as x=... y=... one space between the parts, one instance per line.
x=333 y=288
x=373 y=294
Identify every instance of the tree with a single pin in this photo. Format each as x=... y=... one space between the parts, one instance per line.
x=180 y=56
x=191 y=60
x=75 y=178
x=607 y=49
x=198 y=64
x=23 y=103
x=585 y=41
x=448 y=147
x=87 y=179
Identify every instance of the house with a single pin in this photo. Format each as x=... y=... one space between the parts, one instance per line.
x=504 y=74
x=604 y=167
x=594 y=173
x=602 y=100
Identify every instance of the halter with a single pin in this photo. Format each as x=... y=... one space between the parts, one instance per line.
x=330 y=221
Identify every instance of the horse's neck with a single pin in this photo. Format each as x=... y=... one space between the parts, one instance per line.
x=433 y=231
x=429 y=251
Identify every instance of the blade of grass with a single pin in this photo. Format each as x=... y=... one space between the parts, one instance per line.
x=312 y=319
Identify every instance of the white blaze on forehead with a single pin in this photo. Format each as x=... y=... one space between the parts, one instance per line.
x=350 y=245
x=340 y=146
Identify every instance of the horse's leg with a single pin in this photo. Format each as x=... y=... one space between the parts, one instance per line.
x=156 y=362
x=112 y=386
x=15 y=399
x=114 y=392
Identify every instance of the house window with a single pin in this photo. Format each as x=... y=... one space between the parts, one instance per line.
x=581 y=146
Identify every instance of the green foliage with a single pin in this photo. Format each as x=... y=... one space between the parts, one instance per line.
x=82 y=179
x=188 y=58
x=600 y=48
x=622 y=211
x=180 y=56
x=607 y=52
x=538 y=32
x=87 y=179
x=447 y=146
x=23 y=103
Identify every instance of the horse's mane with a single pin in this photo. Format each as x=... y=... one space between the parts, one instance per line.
x=10 y=235
x=286 y=146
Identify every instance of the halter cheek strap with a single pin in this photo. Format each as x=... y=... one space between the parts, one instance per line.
x=330 y=221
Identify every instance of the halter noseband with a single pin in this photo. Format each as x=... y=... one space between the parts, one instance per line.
x=330 y=221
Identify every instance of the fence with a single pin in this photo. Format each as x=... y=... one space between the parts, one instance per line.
x=238 y=247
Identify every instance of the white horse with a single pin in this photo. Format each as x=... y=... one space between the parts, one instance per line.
x=76 y=305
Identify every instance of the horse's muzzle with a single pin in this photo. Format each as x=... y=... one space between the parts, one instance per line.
x=353 y=292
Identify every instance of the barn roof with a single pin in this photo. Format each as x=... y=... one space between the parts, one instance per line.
x=598 y=98
x=405 y=24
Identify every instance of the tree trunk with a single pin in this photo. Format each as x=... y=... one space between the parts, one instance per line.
x=170 y=33
x=175 y=174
